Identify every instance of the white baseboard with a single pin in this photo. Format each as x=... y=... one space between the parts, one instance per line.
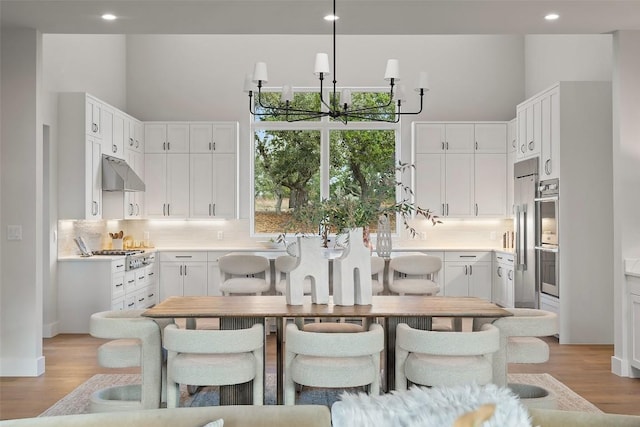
x=623 y=368
x=21 y=367
x=50 y=330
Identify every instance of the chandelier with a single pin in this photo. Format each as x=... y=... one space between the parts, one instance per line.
x=339 y=107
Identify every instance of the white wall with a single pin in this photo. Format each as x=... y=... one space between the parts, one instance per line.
x=566 y=57
x=626 y=185
x=200 y=77
x=21 y=180
x=94 y=63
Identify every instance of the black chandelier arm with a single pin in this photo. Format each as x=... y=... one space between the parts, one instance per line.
x=379 y=106
x=279 y=109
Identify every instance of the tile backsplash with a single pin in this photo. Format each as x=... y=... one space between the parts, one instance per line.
x=452 y=233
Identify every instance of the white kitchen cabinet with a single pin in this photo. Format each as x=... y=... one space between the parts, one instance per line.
x=167 y=185
x=512 y=135
x=212 y=186
x=166 y=137
x=459 y=185
x=183 y=274
x=217 y=137
x=550 y=134
x=109 y=145
x=529 y=129
x=635 y=333
x=468 y=274
x=491 y=137
x=512 y=144
x=134 y=200
x=92 y=116
x=87 y=286
x=454 y=179
x=503 y=291
x=134 y=135
x=490 y=185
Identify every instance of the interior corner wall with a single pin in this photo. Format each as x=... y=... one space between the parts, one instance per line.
x=21 y=180
x=566 y=57
x=626 y=182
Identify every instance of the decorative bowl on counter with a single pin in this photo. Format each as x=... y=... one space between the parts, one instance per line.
x=268 y=244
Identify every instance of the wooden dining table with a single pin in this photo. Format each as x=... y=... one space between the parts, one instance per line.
x=237 y=312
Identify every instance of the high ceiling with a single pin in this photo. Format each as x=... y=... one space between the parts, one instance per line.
x=305 y=16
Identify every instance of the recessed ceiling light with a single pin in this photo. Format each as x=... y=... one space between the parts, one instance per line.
x=109 y=17
x=551 y=16
x=331 y=17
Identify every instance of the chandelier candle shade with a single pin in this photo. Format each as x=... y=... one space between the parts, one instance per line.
x=337 y=107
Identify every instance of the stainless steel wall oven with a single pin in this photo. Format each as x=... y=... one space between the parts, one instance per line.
x=547 y=242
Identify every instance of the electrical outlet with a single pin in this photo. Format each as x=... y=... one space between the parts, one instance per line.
x=220 y=235
x=14 y=232
x=423 y=235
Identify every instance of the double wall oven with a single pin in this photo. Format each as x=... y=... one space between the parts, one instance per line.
x=547 y=230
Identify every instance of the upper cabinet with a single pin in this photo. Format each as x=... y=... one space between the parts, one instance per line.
x=550 y=134
x=460 y=168
x=80 y=147
x=529 y=129
x=166 y=137
x=213 y=137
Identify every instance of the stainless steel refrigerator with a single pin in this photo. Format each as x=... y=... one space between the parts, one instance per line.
x=524 y=209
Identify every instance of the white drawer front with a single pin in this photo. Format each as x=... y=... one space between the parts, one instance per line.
x=467 y=256
x=183 y=256
x=117 y=266
x=117 y=286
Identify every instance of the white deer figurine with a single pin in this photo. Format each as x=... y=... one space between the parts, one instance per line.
x=310 y=264
x=352 y=272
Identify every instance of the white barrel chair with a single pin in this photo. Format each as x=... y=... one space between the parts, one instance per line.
x=135 y=341
x=214 y=358
x=335 y=360
x=434 y=358
x=420 y=274
x=244 y=274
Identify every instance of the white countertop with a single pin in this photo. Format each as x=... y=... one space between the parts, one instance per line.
x=632 y=267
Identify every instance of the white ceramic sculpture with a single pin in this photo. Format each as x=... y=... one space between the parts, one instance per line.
x=312 y=264
x=352 y=272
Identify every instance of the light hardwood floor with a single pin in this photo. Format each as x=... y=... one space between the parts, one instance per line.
x=71 y=360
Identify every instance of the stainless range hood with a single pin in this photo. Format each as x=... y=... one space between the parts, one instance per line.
x=117 y=175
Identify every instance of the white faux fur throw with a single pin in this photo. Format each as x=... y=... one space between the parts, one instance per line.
x=428 y=407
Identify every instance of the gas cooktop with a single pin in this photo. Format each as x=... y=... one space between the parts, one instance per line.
x=118 y=252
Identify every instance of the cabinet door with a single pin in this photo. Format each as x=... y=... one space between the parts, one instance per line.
x=429 y=182
x=155 y=137
x=201 y=138
x=171 y=280
x=635 y=332
x=491 y=137
x=93 y=169
x=119 y=131
x=155 y=180
x=133 y=200
x=534 y=147
x=109 y=144
x=498 y=284
x=225 y=137
x=429 y=138
x=480 y=280
x=511 y=159
x=138 y=134
x=550 y=135
x=178 y=138
x=177 y=183
x=459 y=172
x=522 y=134
x=195 y=278
x=509 y=300
x=460 y=138
x=201 y=185
x=224 y=188
x=512 y=136
x=93 y=120
x=490 y=185
x=456 y=276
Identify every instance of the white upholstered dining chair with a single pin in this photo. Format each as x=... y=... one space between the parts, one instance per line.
x=418 y=274
x=214 y=358
x=434 y=358
x=335 y=360
x=244 y=274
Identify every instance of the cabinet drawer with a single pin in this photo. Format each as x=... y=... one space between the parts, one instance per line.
x=117 y=304
x=130 y=302
x=503 y=258
x=117 y=266
x=152 y=273
x=117 y=286
x=467 y=256
x=141 y=277
x=152 y=294
x=183 y=256
x=130 y=282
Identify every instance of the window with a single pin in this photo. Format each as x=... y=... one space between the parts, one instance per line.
x=295 y=163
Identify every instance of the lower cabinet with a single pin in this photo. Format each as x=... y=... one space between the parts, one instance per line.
x=634 y=300
x=502 y=292
x=183 y=274
x=467 y=274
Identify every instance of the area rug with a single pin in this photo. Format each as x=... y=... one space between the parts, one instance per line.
x=77 y=402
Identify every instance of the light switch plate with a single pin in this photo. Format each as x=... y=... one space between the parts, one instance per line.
x=14 y=232
x=220 y=235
